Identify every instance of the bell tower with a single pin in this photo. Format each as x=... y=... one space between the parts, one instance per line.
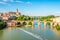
x=17 y=11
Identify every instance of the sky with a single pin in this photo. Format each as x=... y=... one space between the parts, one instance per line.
x=31 y=7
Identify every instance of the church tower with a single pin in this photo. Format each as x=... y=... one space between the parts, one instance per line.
x=17 y=11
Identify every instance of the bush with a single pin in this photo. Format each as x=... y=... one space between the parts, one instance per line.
x=24 y=23
x=47 y=18
x=48 y=23
x=2 y=25
x=58 y=27
x=30 y=23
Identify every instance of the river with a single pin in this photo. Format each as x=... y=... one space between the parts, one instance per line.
x=30 y=33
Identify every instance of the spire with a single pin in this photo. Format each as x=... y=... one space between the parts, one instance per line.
x=17 y=11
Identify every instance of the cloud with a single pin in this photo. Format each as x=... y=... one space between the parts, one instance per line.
x=11 y=1
x=2 y=3
x=19 y=1
x=0 y=9
x=4 y=0
x=28 y=3
x=7 y=0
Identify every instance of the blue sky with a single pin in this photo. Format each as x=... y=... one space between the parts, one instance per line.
x=32 y=7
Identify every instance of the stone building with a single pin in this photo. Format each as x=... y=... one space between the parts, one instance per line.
x=11 y=23
x=56 y=20
x=7 y=15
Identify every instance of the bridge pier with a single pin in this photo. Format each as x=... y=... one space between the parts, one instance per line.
x=55 y=24
x=51 y=25
x=45 y=25
x=32 y=24
x=27 y=22
x=38 y=25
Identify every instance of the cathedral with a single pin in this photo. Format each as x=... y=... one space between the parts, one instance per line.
x=7 y=15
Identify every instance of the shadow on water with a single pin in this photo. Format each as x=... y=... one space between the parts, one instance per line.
x=42 y=25
x=48 y=26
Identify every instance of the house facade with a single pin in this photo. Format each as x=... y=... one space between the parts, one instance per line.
x=56 y=20
x=7 y=15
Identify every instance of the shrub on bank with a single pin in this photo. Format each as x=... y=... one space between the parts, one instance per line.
x=48 y=23
x=47 y=18
x=24 y=23
x=58 y=27
x=30 y=23
x=2 y=25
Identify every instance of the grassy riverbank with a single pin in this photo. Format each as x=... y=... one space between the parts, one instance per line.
x=47 y=18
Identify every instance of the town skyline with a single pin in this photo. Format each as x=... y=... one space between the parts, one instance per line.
x=31 y=7
x=29 y=19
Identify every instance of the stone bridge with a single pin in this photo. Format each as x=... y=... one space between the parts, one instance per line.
x=39 y=23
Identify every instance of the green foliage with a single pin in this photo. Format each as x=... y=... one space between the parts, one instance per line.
x=58 y=27
x=1 y=22
x=47 y=18
x=23 y=18
x=30 y=23
x=24 y=23
x=15 y=18
x=2 y=25
x=48 y=23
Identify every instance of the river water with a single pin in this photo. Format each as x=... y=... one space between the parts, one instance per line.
x=30 y=33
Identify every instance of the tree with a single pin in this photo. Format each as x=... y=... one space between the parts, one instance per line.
x=57 y=27
x=47 y=18
x=2 y=25
x=24 y=23
x=30 y=23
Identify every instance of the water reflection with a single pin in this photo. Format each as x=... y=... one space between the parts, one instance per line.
x=1 y=34
x=42 y=25
x=56 y=31
x=44 y=31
